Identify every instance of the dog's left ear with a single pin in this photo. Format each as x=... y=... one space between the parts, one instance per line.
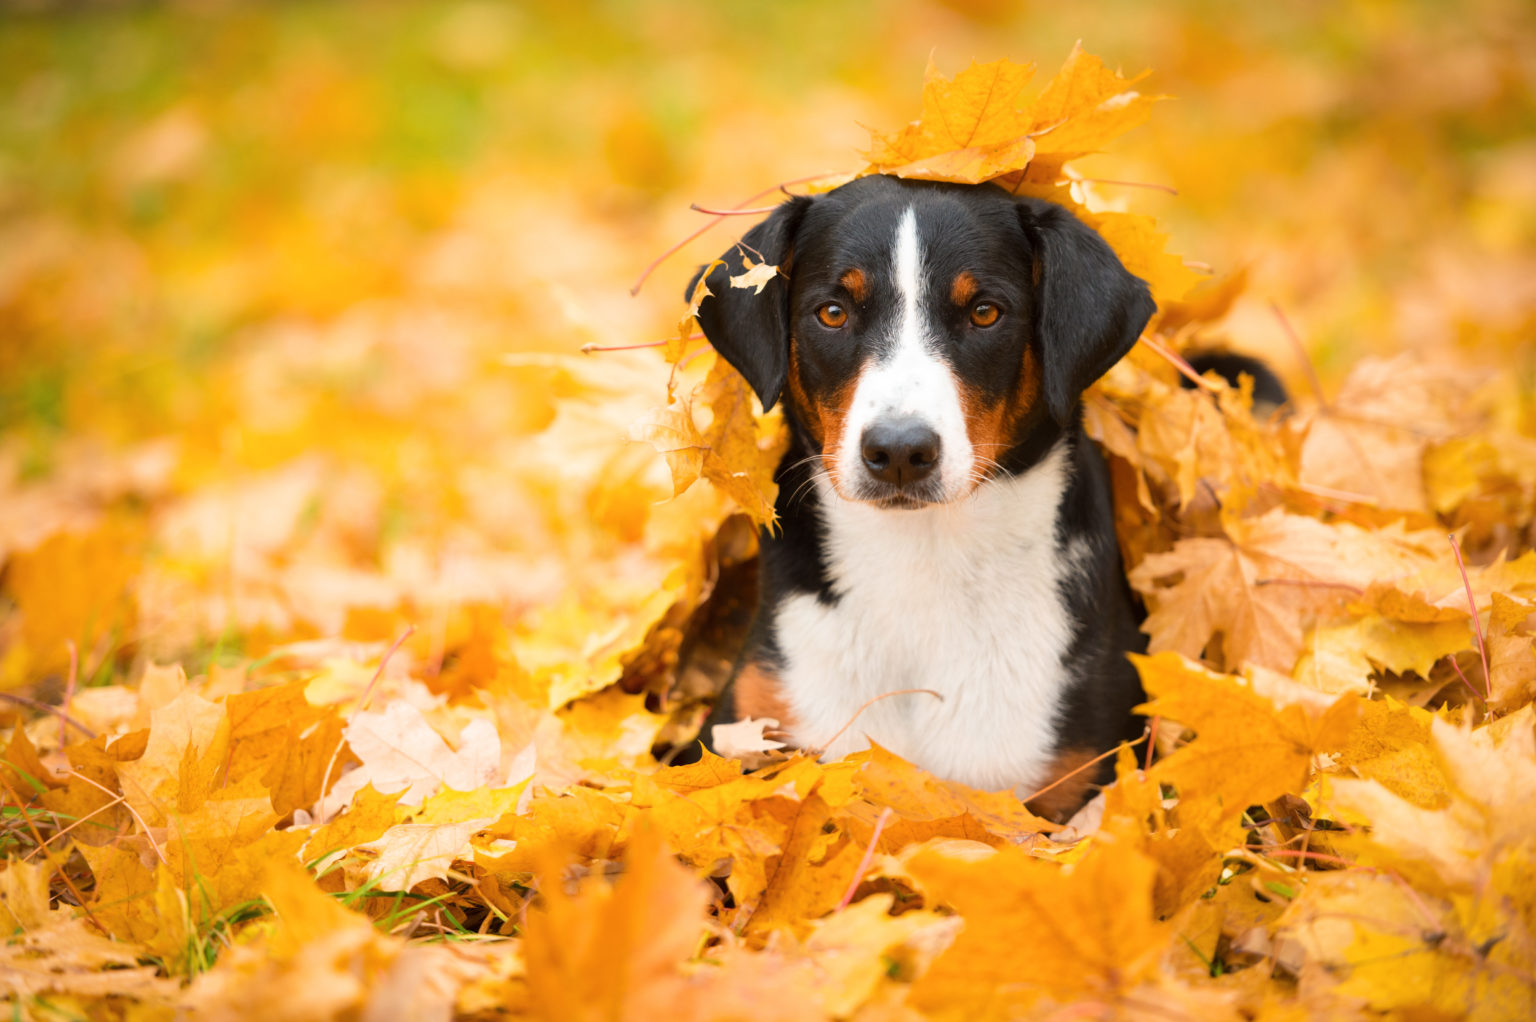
x=1091 y=309
x=750 y=329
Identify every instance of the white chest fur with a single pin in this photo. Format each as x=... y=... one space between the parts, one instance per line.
x=963 y=599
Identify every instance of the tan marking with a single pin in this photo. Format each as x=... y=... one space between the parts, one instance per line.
x=760 y=694
x=855 y=284
x=964 y=288
x=1067 y=797
x=990 y=424
x=823 y=416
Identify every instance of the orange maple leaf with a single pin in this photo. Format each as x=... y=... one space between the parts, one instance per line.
x=1246 y=750
x=978 y=126
x=1033 y=931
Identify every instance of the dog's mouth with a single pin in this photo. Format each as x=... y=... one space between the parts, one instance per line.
x=886 y=497
x=901 y=502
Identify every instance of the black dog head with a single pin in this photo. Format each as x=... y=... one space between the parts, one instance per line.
x=919 y=332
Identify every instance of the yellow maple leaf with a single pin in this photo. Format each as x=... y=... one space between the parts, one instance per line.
x=344 y=966
x=1263 y=582
x=1511 y=654
x=858 y=949
x=978 y=126
x=183 y=761
x=928 y=807
x=73 y=587
x=1390 y=745
x=1246 y=750
x=740 y=462
x=970 y=131
x=1143 y=249
x=677 y=345
x=1035 y=931
x=615 y=952
x=579 y=823
x=671 y=430
x=1388 y=946
x=1188 y=860
x=1086 y=104
x=734 y=452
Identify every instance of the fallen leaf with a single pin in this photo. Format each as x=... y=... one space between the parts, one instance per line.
x=1245 y=751
x=400 y=752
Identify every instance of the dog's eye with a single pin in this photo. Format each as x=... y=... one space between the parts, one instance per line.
x=832 y=315
x=985 y=314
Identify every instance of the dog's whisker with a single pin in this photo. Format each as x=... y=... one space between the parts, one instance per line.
x=818 y=473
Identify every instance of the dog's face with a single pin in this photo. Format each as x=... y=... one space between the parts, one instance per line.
x=920 y=332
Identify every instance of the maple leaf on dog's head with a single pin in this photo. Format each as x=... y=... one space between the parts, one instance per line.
x=977 y=126
x=1087 y=104
x=971 y=129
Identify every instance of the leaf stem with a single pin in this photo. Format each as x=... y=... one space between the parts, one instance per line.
x=718 y=217
x=1177 y=360
x=1482 y=647
x=64 y=718
x=69 y=690
x=868 y=703
x=731 y=212
x=1127 y=184
x=869 y=854
x=63 y=873
x=1301 y=353
x=1097 y=759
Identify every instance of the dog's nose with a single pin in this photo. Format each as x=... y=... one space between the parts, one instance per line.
x=900 y=451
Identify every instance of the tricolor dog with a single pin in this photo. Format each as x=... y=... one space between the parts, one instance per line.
x=945 y=524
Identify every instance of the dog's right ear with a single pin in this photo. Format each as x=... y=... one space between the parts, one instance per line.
x=750 y=329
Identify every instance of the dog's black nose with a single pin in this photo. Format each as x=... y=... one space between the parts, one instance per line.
x=900 y=451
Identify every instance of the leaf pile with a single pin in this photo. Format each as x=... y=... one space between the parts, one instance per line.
x=415 y=775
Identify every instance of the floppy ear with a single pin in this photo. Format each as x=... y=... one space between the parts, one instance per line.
x=1091 y=309
x=750 y=330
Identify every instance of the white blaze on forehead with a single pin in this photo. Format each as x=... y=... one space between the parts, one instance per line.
x=908 y=379
x=907 y=258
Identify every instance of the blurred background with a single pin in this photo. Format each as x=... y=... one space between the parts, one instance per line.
x=292 y=295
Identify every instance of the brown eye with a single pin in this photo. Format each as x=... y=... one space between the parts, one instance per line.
x=832 y=315
x=985 y=314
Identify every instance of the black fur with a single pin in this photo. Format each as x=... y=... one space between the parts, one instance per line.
x=1091 y=309
x=1267 y=388
x=748 y=329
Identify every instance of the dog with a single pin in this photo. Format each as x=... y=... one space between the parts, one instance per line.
x=945 y=579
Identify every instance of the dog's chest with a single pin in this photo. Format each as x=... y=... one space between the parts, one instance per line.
x=964 y=600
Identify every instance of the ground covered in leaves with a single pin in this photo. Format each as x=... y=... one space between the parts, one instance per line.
x=348 y=614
